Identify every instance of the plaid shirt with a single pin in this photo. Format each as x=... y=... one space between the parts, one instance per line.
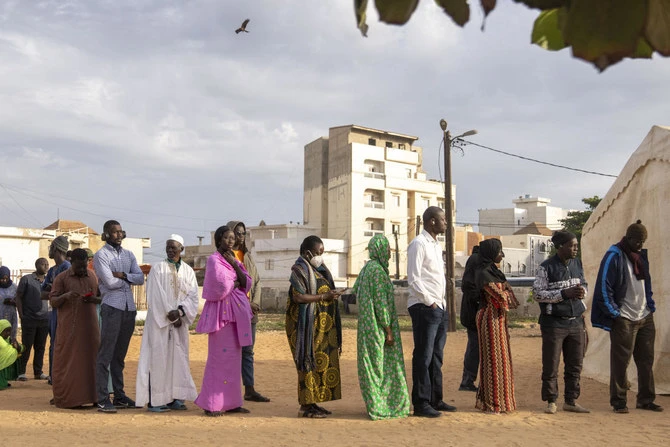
x=116 y=292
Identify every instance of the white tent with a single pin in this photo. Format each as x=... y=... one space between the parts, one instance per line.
x=641 y=191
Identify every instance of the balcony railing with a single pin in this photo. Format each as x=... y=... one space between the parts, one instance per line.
x=377 y=175
x=371 y=233
x=375 y=205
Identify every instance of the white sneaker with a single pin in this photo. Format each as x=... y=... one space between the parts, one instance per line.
x=576 y=408
x=22 y=378
x=551 y=408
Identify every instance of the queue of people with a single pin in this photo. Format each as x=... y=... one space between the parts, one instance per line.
x=89 y=358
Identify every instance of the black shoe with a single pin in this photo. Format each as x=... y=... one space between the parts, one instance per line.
x=428 y=412
x=650 y=406
x=105 y=406
x=443 y=406
x=124 y=402
x=469 y=387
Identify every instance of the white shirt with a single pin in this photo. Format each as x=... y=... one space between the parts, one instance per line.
x=425 y=272
x=634 y=306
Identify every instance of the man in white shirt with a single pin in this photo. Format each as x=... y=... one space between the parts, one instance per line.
x=427 y=307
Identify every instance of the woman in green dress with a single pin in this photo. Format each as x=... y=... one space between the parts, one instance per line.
x=314 y=330
x=10 y=352
x=381 y=365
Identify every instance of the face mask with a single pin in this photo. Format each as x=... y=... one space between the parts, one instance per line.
x=316 y=261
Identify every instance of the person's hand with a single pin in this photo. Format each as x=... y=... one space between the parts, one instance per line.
x=177 y=323
x=16 y=345
x=433 y=306
x=255 y=308
x=88 y=297
x=236 y=284
x=388 y=340
x=229 y=257
x=331 y=295
x=173 y=315
x=117 y=275
x=574 y=293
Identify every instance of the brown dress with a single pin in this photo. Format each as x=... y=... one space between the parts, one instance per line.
x=77 y=342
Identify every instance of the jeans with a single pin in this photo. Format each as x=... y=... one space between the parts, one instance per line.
x=115 y=333
x=471 y=359
x=636 y=339
x=429 y=328
x=33 y=336
x=569 y=341
x=248 y=359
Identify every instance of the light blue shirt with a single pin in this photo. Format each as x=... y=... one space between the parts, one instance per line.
x=116 y=292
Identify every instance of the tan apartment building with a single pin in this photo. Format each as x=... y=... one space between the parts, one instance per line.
x=359 y=182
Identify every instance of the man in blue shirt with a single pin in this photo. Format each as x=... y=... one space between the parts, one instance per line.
x=117 y=270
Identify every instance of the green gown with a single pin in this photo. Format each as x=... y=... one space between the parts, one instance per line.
x=381 y=368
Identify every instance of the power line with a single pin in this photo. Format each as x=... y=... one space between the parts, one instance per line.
x=534 y=160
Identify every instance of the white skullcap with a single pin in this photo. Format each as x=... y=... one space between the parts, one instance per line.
x=176 y=238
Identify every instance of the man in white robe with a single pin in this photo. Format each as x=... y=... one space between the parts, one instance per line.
x=164 y=379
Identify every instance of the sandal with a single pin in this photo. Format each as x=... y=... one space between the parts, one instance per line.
x=238 y=410
x=159 y=409
x=176 y=404
x=256 y=397
x=311 y=413
x=214 y=414
x=322 y=410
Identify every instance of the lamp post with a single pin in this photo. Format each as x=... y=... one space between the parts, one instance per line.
x=449 y=214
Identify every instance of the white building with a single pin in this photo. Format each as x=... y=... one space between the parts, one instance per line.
x=526 y=210
x=360 y=182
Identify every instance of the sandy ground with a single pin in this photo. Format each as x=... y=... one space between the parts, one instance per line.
x=27 y=419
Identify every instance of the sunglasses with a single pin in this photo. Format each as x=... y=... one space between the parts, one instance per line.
x=241 y=233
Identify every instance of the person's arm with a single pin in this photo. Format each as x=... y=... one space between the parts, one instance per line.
x=606 y=283
x=255 y=297
x=241 y=274
x=304 y=299
x=19 y=296
x=103 y=271
x=135 y=276
x=58 y=294
x=416 y=253
x=541 y=292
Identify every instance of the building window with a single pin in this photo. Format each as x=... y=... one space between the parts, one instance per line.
x=408 y=171
x=396 y=200
x=269 y=264
x=389 y=144
x=372 y=142
x=425 y=202
x=401 y=145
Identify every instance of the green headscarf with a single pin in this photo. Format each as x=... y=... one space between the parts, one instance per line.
x=378 y=247
x=8 y=354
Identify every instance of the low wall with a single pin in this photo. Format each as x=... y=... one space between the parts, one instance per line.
x=274 y=300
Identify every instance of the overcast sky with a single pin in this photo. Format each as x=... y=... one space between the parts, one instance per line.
x=157 y=114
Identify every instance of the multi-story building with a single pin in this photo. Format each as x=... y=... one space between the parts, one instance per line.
x=526 y=210
x=360 y=182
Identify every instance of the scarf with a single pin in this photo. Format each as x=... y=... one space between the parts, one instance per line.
x=4 y=271
x=639 y=266
x=488 y=272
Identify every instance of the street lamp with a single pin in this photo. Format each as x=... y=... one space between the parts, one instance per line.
x=449 y=214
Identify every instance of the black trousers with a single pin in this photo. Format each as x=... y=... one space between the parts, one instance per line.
x=471 y=359
x=569 y=341
x=429 y=328
x=115 y=333
x=34 y=336
x=636 y=339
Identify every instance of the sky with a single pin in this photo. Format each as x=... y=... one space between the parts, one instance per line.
x=155 y=113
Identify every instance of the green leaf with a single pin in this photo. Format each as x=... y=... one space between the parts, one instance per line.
x=360 y=6
x=657 y=30
x=604 y=31
x=543 y=4
x=458 y=10
x=643 y=50
x=547 y=30
x=396 y=12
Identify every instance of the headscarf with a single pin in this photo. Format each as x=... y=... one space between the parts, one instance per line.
x=4 y=324
x=488 y=272
x=378 y=247
x=232 y=224
x=639 y=232
x=4 y=271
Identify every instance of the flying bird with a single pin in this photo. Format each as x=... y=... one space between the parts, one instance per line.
x=242 y=28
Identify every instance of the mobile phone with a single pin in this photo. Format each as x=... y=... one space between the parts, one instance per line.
x=89 y=294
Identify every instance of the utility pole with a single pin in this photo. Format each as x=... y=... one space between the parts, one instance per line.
x=449 y=233
x=397 y=252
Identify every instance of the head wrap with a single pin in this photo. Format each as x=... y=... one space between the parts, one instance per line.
x=378 y=247
x=561 y=237
x=89 y=253
x=4 y=271
x=488 y=272
x=176 y=238
x=4 y=324
x=637 y=231
x=61 y=244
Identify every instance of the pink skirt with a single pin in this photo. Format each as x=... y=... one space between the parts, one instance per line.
x=222 y=383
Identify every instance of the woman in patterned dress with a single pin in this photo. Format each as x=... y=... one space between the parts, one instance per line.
x=381 y=366
x=496 y=380
x=314 y=330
